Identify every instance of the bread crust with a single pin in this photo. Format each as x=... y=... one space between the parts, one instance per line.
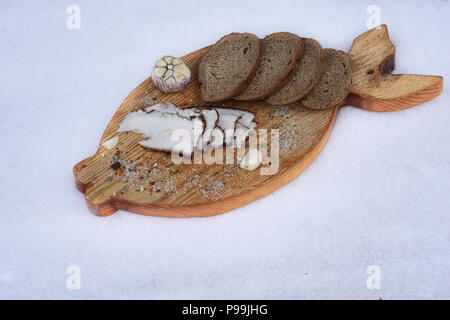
x=289 y=73
x=311 y=105
x=280 y=101
x=244 y=82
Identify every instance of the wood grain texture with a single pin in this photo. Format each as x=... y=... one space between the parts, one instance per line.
x=374 y=88
x=149 y=183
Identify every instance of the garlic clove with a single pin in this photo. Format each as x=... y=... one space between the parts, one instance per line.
x=159 y=71
x=251 y=160
x=168 y=59
x=111 y=143
x=171 y=81
x=168 y=74
x=180 y=68
x=178 y=77
x=161 y=63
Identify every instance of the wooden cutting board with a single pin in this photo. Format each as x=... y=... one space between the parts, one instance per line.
x=149 y=183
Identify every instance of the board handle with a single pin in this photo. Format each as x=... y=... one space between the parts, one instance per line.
x=374 y=88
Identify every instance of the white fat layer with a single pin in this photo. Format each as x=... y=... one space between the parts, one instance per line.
x=211 y=116
x=158 y=122
x=166 y=107
x=190 y=113
x=241 y=133
x=246 y=119
x=227 y=122
x=236 y=125
x=159 y=127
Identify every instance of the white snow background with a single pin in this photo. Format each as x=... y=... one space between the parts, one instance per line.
x=378 y=194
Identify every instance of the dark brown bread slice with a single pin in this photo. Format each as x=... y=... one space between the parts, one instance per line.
x=281 y=53
x=334 y=83
x=228 y=67
x=305 y=77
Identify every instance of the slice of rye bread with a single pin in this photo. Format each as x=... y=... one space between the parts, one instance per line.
x=305 y=77
x=228 y=67
x=334 y=83
x=281 y=53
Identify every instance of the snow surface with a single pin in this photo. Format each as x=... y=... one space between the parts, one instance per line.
x=378 y=194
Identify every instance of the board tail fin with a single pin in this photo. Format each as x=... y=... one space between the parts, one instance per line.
x=373 y=88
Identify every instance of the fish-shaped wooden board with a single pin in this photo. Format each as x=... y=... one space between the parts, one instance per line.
x=148 y=182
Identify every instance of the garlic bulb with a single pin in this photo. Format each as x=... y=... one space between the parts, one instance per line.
x=170 y=74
